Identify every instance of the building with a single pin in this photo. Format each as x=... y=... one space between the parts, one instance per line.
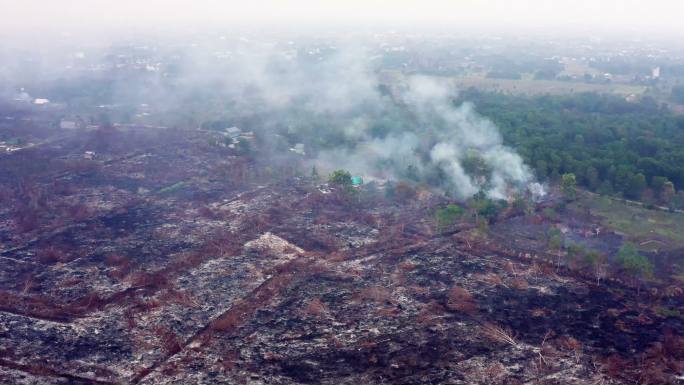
x=71 y=123
x=655 y=73
x=67 y=124
x=298 y=149
x=632 y=98
x=357 y=181
x=233 y=132
x=23 y=97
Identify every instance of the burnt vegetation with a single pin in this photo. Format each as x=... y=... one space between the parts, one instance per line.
x=166 y=258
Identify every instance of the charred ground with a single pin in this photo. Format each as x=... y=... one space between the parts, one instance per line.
x=168 y=258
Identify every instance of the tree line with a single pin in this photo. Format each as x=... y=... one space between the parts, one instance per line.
x=633 y=150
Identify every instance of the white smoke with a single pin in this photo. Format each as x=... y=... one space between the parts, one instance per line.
x=447 y=155
x=400 y=127
x=440 y=137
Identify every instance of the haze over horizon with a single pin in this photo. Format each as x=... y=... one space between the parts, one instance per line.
x=29 y=17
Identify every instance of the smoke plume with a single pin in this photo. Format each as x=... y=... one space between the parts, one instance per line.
x=334 y=97
x=406 y=128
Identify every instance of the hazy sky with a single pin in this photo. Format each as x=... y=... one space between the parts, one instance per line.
x=24 y=16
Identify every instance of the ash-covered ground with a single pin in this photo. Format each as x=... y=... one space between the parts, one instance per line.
x=156 y=256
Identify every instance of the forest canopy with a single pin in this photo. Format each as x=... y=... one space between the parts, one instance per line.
x=633 y=150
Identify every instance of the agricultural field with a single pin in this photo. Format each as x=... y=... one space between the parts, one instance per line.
x=529 y=86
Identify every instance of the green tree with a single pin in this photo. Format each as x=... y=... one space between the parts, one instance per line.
x=341 y=178
x=569 y=186
x=412 y=173
x=635 y=186
x=592 y=178
x=606 y=188
x=557 y=134
x=576 y=252
x=598 y=263
x=542 y=168
x=521 y=205
x=667 y=193
x=448 y=216
x=554 y=240
x=244 y=147
x=475 y=165
x=634 y=264
x=658 y=182
x=485 y=208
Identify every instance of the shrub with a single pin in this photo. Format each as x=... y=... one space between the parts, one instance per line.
x=486 y=208
x=340 y=178
x=151 y=280
x=404 y=192
x=568 y=185
x=460 y=299
x=51 y=255
x=634 y=263
x=315 y=308
x=550 y=214
x=448 y=216
x=377 y=294
x=519 y=284
x=597 y=262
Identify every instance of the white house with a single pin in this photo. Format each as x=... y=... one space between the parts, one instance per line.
x=233 y=132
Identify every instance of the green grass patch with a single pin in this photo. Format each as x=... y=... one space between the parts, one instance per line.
x=172 y=188
x=448 y=216
x=650 y=229
x=664 y=311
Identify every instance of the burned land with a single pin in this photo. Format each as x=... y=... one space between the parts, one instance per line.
x=160 y=256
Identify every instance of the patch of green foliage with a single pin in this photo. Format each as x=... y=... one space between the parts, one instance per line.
x=314 y=174
x=575 y=251
x=611 y=146
x=550 y=213
x=568 y=185
x=340 y=178
x=487 y=208
x=448 y=216
x=172 y=188
x=634 y=263
x=666 y=312
x=554 y=239
x=594 y=258
x=598 y=262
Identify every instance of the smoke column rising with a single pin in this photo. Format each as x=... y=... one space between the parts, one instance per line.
x=398 y=128
x=333 y=97
x=436 y=140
